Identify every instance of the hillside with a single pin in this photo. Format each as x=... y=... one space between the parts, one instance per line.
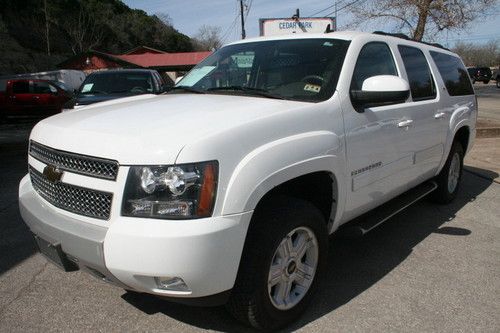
x=75 y=26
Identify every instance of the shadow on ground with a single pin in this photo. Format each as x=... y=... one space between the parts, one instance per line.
x=16 y=243
x=355 y=265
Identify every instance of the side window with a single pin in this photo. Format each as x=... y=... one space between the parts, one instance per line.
x=40 y=87
x=421 y=82
x=52 y=88
x=455 y=76
x=21 y=87
x=375 y=58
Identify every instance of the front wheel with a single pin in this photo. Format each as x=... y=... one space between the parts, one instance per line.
x=284 y=256
x=448 y=180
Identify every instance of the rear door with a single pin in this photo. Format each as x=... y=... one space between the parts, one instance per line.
x=429 y=122
x=21 y=98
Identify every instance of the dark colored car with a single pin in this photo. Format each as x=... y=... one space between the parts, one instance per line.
x=496 y=76
x=480 y=74
x=111 y=84
x=31 y=98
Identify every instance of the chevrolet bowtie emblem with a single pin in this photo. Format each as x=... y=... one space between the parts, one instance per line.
x=53 y=174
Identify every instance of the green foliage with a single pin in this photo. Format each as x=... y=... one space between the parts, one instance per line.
x=77 y=26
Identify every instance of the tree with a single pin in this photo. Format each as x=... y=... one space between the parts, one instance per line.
x=479 y=55
x=208 y=38
x=421 y=17
x=84 y=29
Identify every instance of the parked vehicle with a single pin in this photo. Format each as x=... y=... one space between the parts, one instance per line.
x=496 y=76
x=33 y=98
x=71 y=79
x=480 y=74
x=225 y=189
x=111 y=84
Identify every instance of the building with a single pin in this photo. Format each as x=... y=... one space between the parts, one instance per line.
x=170 y=65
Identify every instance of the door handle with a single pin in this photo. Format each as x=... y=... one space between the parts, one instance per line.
x=36 y=97
x=439 y=115
x=405 y=123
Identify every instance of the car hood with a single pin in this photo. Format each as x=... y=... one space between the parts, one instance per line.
x=153 y=129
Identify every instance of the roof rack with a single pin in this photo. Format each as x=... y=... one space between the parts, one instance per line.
x=405 y=37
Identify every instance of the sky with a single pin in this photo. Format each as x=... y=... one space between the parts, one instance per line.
x=188 y=15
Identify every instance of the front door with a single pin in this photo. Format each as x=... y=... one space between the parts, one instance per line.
x=376 y=138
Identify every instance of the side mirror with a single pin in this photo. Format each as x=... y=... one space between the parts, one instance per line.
x=380 y=90
x=178 y=79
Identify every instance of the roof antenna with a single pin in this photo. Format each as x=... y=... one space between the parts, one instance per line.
x=328 y=29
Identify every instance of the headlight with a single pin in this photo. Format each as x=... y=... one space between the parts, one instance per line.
x=171 y=192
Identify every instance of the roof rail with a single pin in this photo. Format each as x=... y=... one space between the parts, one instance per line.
x=405 y=37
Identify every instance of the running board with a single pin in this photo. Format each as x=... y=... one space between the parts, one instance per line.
x=372 y=219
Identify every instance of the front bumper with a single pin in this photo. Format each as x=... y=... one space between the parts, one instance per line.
x=130 y=252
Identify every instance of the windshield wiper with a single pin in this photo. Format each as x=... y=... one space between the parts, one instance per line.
x=186 y=88
x=252 y=91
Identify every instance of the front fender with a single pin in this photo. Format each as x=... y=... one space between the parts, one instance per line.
x=279 y=161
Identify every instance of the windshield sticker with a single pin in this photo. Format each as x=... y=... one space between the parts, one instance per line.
x=312 y=88
x=87 y=87
x=327 y=44
x=196 y=75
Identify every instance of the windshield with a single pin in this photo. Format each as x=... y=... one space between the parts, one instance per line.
x=298 y=69
x=114 y=83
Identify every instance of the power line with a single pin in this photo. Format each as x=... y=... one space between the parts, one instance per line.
x=344 y=7
x=325 y=9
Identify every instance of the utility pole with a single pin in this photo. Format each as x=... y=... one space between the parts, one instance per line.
x=243 y=33
x=46 y=26
x=336 y=20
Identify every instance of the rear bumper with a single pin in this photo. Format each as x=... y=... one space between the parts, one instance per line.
x=131 y=252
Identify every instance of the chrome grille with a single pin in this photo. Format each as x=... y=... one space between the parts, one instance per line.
x=73 y=198
x=82 y=164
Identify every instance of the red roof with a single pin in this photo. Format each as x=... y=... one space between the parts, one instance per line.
x=165 y=59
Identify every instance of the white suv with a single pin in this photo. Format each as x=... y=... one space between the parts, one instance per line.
x=225 y=189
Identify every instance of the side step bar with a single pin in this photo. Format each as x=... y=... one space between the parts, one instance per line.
x=372 y=219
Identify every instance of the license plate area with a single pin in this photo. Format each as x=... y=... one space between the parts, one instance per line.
x=55 y=254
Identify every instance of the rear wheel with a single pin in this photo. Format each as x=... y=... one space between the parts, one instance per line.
x=448 y=180
x=284 y=256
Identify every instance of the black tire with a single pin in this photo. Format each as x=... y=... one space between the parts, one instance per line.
x=443 y=193
x=486 y=81
x=250 y=300
x=473 y=80
x=498 y=82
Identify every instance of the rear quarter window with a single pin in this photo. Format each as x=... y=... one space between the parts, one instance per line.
x=455 y=76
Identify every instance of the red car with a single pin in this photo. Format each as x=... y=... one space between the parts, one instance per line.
x=31 y=98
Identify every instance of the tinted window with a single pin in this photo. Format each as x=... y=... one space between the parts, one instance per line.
x=455 y=77
x=374 y=59
x=41 y=87
x=298 y=69
x=421 y=83
x=21 y=87
x=3 y=85
x=117 y=82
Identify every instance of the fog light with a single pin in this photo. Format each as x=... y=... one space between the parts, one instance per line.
x=171 y=283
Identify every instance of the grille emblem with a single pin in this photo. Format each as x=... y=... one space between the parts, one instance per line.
x=52 y=174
